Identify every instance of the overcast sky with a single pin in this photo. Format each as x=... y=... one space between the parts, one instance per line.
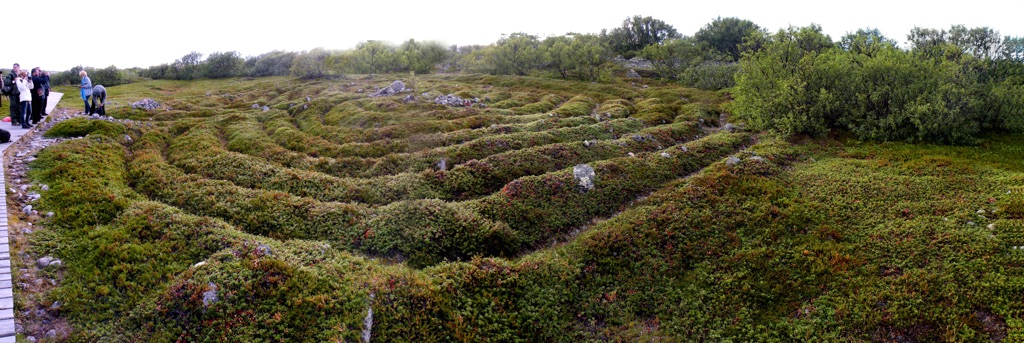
x=100 y=33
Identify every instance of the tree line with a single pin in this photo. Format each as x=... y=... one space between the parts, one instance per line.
x=579 y=56
x=945 y=86
x=948 y=86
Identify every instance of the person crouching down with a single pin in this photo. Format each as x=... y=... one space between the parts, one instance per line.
x=86 y=90
x=99 y=94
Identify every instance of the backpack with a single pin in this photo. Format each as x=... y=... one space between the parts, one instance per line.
x=10 y=88
x=5 y=136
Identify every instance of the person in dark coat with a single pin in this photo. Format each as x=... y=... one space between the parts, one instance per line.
x=12 y=97
x=99 y=94
x=38 y=95
x=46 y=89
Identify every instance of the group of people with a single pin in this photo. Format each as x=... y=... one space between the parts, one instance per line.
x=27 y=95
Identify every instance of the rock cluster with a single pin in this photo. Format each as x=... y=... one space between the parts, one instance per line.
x=394 y=88
x=455 y=101
x=633 y=63
x=632 y=74
x=146 y=104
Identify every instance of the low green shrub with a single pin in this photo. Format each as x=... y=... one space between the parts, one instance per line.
x=577 y=106
x=654 y=111
x=428 y=232
x=87 y=181
x=82 y=126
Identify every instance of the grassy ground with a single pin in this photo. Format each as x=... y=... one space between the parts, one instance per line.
x=209 y=220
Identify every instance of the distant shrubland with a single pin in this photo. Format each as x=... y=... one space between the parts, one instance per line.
x=946 y=86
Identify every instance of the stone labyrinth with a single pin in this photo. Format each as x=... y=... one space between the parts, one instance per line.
x=305 y=210
x=422 y=182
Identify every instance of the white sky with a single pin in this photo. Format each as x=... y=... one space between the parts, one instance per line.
x=140 y=33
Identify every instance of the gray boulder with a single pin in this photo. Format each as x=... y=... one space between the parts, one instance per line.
x=44 y=261
x=394 y=88
x=397 y=86
x=732 y=161
x=585 y=176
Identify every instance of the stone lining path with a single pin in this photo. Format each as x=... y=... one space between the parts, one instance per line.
x=7 y=332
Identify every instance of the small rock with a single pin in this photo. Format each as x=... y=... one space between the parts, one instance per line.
x=631 y=154
x=51 y=334
x=201 y=263
x=44 y=261
x=127 y=138
x=587 y=143
x=55 y=306
x=757 y=158
x=970 y=223
x=264 y=250
x=981 y=212
x=40 y=313
x=632 y=74
x=265 y=108
x=49 y=214
x=360 y=90
x=684 y=149
x=44 y=187
x=308 y=99
x=409 y=98
x=732 y=161
x=665 y=155
x=210 y=296
x=729 y=127
x=32 y=339
x=56 y=263
x=255 y=106
x=442 y=165
x=991 y=226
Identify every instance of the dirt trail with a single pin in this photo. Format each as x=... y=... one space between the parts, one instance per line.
x=32 y=276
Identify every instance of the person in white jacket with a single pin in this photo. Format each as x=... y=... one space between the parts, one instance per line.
x=25 y=87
